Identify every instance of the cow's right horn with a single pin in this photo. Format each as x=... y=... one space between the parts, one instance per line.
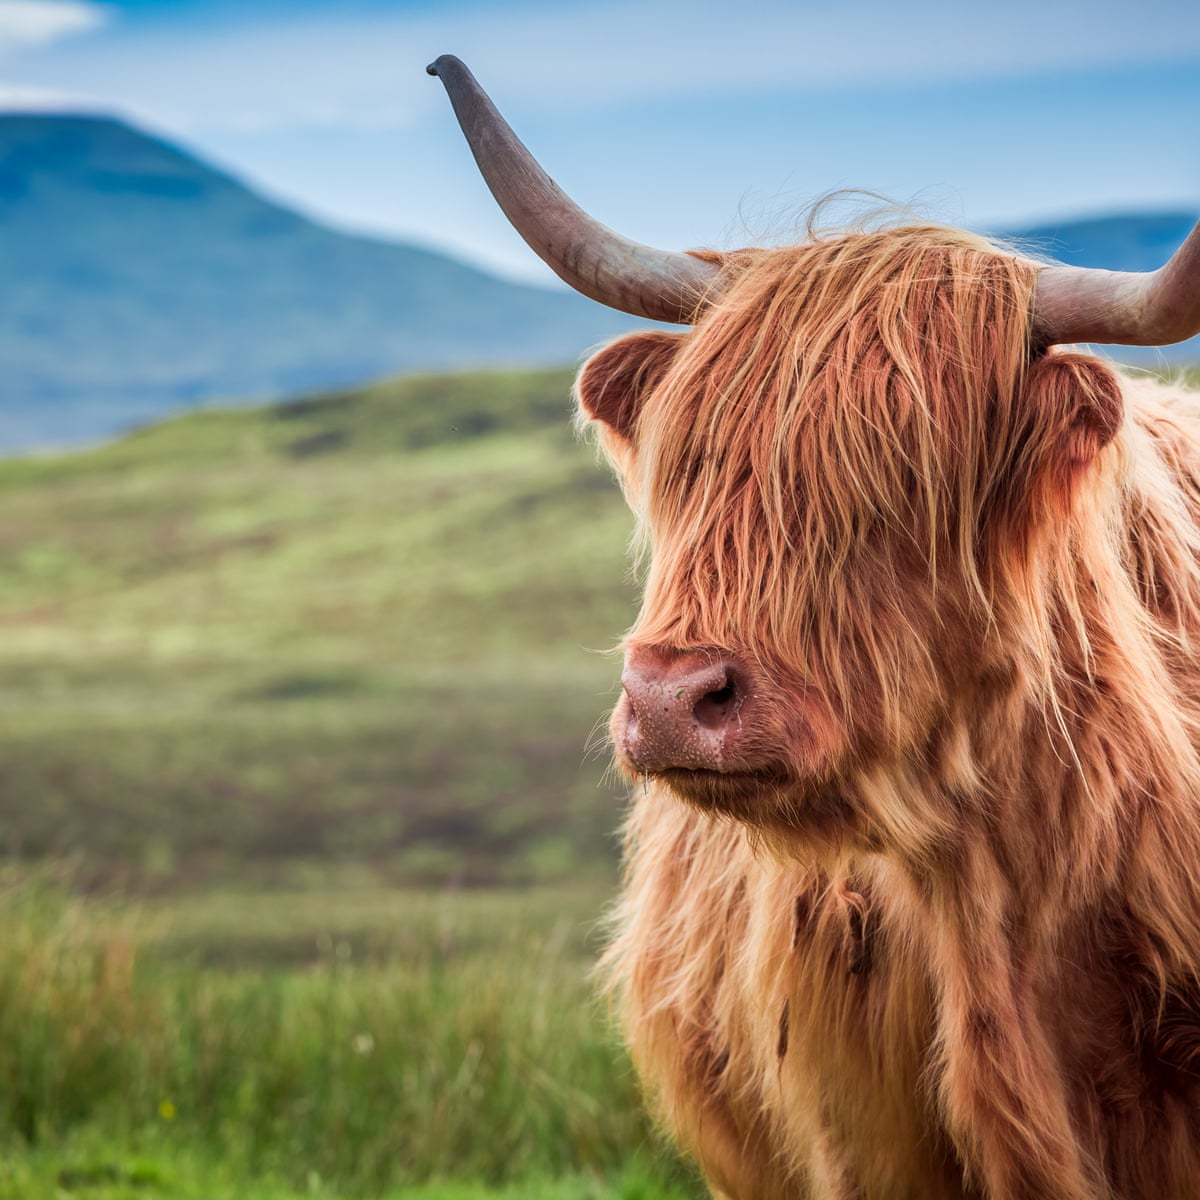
x=1127 y=308
x=594 y=260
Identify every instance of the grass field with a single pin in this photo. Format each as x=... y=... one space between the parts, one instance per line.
x=363 y=629
x=357 y=1042
x=294 y=708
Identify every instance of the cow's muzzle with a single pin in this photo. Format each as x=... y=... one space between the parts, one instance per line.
x=692 y=710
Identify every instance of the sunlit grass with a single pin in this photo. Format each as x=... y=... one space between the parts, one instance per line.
x=373 y=1043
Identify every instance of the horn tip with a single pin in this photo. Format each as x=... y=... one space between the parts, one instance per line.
x=441 y=62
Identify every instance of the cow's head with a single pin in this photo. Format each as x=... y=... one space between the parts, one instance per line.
x=834 y=473
x=839 y=473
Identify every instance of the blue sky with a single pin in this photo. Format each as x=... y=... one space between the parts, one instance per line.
x=682 y=123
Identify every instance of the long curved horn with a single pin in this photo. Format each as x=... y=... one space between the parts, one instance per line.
x=1125 y=308
x=589 y=256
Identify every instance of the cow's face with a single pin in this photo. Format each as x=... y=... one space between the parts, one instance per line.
x=837 y=475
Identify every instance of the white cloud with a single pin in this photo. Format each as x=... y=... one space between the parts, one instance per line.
x=16 y=98
x=341 y=68
x=29 y=24
x=622 y=49
x=257 y=76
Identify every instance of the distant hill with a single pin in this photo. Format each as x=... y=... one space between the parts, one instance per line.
x=137 y=279
x=1128 y=242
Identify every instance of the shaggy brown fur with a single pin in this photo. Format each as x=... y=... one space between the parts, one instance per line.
x=941 y=937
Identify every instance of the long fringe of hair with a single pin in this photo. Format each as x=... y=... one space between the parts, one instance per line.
x=860 y=450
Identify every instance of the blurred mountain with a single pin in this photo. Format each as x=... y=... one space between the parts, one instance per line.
x=137 y=280
x=1129 y=242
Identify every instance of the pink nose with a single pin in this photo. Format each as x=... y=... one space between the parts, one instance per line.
x=682 y=710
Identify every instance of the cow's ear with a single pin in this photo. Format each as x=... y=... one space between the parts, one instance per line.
x=615 y=380
x=1084 y=394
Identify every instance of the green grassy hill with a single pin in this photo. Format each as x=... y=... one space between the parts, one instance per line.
x=360 y=629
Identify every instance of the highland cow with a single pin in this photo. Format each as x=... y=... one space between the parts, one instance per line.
x=912 y=707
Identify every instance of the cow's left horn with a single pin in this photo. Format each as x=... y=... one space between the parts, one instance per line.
x=1126 y=308
x=589 y=256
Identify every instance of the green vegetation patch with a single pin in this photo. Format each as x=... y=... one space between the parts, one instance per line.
x=364 y=627
x=357 y=1042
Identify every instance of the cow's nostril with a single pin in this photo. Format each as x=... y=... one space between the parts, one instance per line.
x=713 y=708
x=683 y=710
